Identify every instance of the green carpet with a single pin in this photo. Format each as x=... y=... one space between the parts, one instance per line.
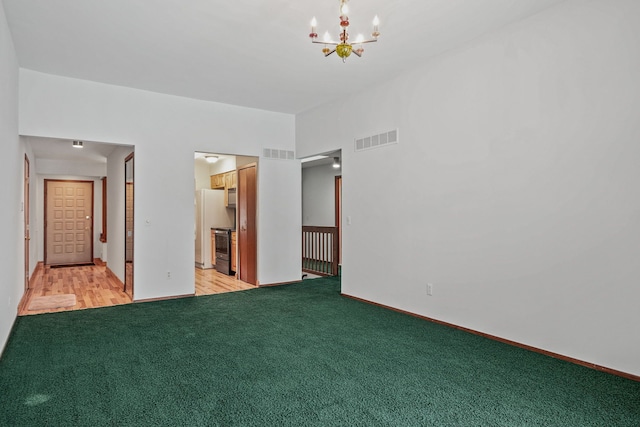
x=296 y=355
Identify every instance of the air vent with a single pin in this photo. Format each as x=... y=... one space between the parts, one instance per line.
x=377 y=141
x=274 y=153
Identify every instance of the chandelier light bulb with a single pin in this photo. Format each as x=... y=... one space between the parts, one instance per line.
x=360 y=38
x=376 y=31
x=313 y=35
x=327 y=37
x=344 y=10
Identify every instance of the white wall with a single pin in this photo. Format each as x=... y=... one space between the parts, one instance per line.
x=202 y=174
x=279 y=193
x=223 y=165
x=70 y=167
x=11 y=172
x=517 y=173
x=114 y=247
x=318 y=195
x=166 y=131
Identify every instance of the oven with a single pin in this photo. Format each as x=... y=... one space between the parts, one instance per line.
x=223 y=250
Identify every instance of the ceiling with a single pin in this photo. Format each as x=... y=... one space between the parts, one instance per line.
x=325 y=159
x=62 y=149
x=253 y=53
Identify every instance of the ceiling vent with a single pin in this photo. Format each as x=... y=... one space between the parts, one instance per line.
x=376 y=141
x=274 y=153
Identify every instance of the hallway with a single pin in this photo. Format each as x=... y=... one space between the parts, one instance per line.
x=94 y=287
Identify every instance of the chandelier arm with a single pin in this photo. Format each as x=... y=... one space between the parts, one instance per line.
x=353 y=44
x=327 y=54
x=329 y=43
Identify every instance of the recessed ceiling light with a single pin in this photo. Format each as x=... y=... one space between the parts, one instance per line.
x=211 y=159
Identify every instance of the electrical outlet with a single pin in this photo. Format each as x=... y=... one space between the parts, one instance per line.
x=429 y=289
x=168 y=275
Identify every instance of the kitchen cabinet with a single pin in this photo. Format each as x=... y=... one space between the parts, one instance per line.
x=233 y=251
x=217 y=181
x=231 y=179
x=224 y=180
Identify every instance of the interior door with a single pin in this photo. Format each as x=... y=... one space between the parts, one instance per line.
x=27 y=231
x=338 y=208
x=68 y=222
x=247 y=232
x=128 y=213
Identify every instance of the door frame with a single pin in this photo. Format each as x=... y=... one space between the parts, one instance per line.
x=45 y=214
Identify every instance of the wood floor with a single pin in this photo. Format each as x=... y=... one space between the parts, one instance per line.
x=211 y=282
x=95 y=287
x=92 y=285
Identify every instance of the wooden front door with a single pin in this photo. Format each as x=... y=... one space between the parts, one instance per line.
x=68 y=222
x=247 y=232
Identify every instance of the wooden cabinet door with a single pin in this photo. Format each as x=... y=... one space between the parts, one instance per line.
x=217 y=181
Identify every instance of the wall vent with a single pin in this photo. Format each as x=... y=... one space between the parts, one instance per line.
x=376 y=141
x=275 y=153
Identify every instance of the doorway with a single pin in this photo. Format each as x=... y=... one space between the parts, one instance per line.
x=68 y=222
x=322 y=214
x=217 y=207
x=95 y=284
x=129 y=224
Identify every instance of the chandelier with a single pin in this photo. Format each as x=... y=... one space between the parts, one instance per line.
x=343 y=48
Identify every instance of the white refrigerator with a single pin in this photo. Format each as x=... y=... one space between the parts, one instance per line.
x=210 y=213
